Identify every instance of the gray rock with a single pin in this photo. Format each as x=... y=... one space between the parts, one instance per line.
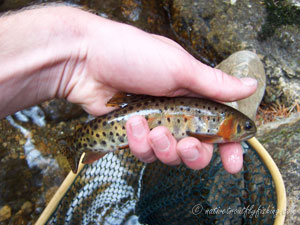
x=282 y=141
x=61 y=110
x=224 y=27
x=246 y=64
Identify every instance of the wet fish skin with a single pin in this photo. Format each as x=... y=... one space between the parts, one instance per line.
x=206 y=120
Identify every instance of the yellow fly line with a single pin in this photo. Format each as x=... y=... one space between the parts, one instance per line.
x=267 y=159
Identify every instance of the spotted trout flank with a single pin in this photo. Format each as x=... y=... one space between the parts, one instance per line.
x=208 y=121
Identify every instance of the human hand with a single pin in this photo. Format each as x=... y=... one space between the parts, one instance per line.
x=87 y=59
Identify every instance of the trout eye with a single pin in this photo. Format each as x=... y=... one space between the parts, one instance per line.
x=248 y=125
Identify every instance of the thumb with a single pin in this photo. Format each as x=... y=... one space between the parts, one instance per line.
x=215 y=84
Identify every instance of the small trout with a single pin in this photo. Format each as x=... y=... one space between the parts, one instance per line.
x=208 y=121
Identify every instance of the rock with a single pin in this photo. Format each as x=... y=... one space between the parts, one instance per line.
x=26 y=208
x=61 y=110
x=34 y=113
x=282 y=140
x=270 y=29
x=246 y=64
x=5 y=213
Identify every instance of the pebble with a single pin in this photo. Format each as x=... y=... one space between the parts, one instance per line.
x=27 y=207
x=5 y=213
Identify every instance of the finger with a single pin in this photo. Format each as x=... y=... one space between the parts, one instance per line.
x=164 y=145
x=232 y=157
x=193 y=153
x=137 y=133
x=215 y=84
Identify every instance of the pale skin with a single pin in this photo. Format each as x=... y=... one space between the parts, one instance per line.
x=67 y=53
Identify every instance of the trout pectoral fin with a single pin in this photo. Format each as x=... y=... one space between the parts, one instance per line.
x=207 y=138
x=90 y=157
x=121 y=99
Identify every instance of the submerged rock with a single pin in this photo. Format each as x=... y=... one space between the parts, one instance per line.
x=61 y=110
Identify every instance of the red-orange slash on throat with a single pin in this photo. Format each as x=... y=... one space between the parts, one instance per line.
x=227 y=128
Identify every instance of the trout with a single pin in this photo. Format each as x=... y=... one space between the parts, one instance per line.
x=206 y=120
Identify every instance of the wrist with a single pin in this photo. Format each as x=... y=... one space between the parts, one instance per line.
x=39 y=51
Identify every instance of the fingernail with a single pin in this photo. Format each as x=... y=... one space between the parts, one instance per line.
x=137 y=128
x=248 y=81
x=161 y=143
x=190 y=154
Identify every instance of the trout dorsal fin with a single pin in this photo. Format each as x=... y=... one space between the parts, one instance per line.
x=71 y=154
x=121 y=99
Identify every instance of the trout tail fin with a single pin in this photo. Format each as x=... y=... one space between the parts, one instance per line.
x=70 y=153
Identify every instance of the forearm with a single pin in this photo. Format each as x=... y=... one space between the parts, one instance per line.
x=38 y=50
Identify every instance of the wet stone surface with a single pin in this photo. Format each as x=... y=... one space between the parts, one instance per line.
x=61 y=110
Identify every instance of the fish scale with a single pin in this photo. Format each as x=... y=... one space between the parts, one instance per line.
x=206 y=120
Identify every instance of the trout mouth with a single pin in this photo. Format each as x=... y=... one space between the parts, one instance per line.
x=248 y=136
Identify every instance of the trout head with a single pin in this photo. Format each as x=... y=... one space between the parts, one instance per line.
x=237 y=128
